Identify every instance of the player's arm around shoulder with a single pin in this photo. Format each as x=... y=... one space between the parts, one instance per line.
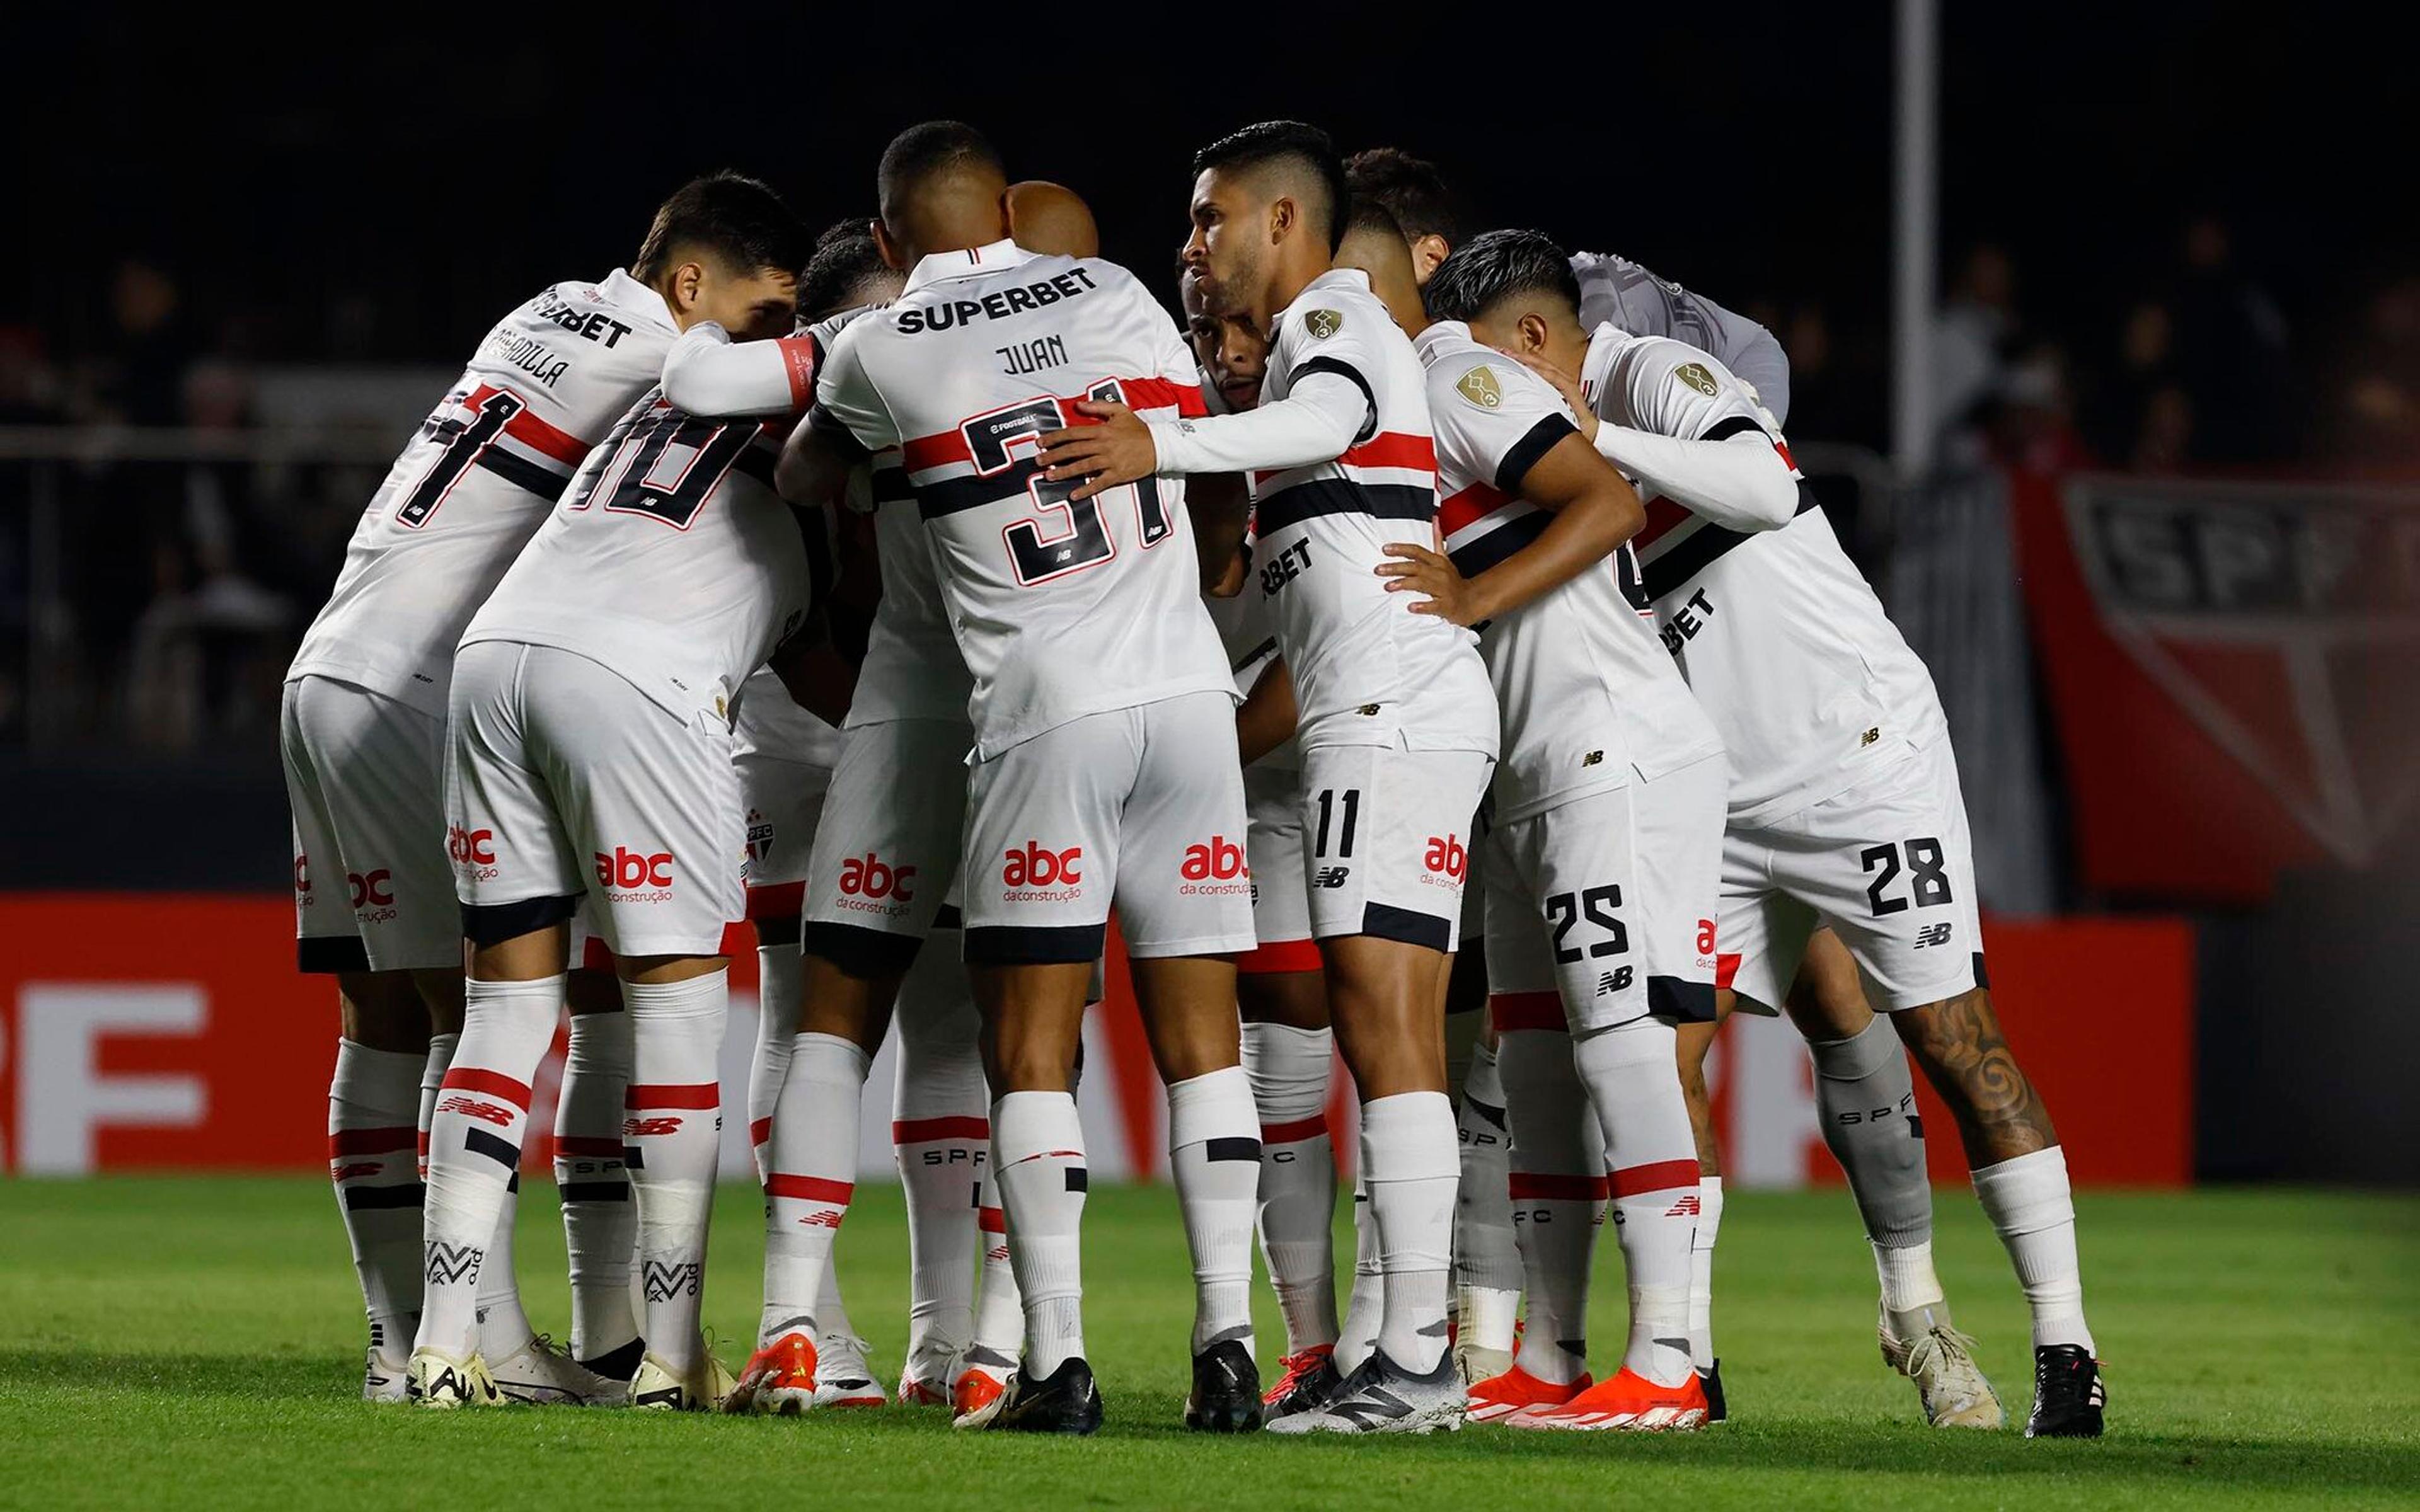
x=1700 y=437
x=845 y=426
x=1506 y=427
x=707 y=373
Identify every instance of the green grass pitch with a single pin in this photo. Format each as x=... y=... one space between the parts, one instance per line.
x=196 y=1342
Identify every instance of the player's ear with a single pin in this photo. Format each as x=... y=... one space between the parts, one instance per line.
x=1533 y=328
x=1283 y=214
x=1427 y=252
x=687 y=280
x=892 y=256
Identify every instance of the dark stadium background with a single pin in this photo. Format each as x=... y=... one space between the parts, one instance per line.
x=375 y=186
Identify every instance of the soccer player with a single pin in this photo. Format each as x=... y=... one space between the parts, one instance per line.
x=1396 y=722
x=1604 y=851
x=1104 y=768
x=1865 y=1091
x=1289 y=1044
x=591 y=759
x=1844 y=803
x=362 y=738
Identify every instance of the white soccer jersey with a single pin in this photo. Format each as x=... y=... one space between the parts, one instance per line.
x=1367 y=670
x=1060 y=609
x=671 y=561
x=1618 y=291
x=1781 y=639
x=1588 y=694
x=1245 y=630
x=466 y=495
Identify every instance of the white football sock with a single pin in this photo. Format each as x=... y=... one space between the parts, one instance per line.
x=813 y=1178
x=1414 y=1164
x=1000 y=1313
x=476 y=1133
x=600 y=1222
x=672 y=1135
x=1038 y=1153
x=1701 y=1273
x=1558 y=1191
x=779 y=971
x=1486 y=1252
x=504 y=1328
x=373 y=1140
x=1356 y=1334
x=2033 y=1210
x=940 y=1134
x=1289 y=1069
x=1633 y=1083
x=1214 y=1153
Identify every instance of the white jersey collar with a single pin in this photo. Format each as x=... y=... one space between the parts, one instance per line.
x=1345 y=278
x=1605 y=345
x=1436 y=334
x=966 y=262
x=625 y=292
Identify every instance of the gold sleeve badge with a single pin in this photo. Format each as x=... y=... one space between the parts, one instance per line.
x=1695 y=376
x=1479 y=387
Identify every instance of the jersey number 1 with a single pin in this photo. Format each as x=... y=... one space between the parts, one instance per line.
x=461 y=446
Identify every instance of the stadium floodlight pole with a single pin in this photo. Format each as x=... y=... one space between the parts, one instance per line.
x=1914 y=233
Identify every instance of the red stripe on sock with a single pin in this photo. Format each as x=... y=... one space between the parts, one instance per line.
x=924 y=1130
x=759 y=1130
x=371 y=1141
x=1314 y=1127
x=1547 y=1187
x=588 y=1146
x=991 y=1220
x=811 y=1188
x=670 y=1095
x=493 y=1083
x=1661 y=1176
x=1527 y=1010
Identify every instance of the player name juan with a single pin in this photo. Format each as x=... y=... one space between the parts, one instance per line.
x=997 y=305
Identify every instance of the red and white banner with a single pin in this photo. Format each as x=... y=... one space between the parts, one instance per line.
x=141 y=1032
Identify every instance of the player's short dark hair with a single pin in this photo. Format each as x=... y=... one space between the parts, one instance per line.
x=737 y=220
x=1413 y=191
x=1297 y=142
x=1494 y=266
x=1370 y=218
x=845 y=269
x=929 y=148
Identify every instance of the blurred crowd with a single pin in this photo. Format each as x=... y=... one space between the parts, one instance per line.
x=151 y=600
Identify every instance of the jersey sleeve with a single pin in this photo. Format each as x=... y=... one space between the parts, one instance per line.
x=1700 y=440
x=1497 y=420
x=847 y=405
x=1679 y=391
x=707 y=373
x=1633 y=297
x=1329 y=406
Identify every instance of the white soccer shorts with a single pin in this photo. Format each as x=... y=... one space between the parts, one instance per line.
x=1281 y=900
x=1142 y=806
x=564 y=781
x=784 y=805
x=887 y=851
x=1887 y=864
x=1391 y=835
x=1600 y=911
x=363 y=775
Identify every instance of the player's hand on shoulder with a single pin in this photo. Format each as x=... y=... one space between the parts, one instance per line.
x=1566 y=385
x=1418 y=570
x=1116 y=448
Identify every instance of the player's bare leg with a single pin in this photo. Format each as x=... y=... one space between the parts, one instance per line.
x=373 y=1099
x=809 y=1171
x=2020 y=1174
x=1388 y=1001
x=1866 y=1103
x=1289 y=1050
x=513 y=1001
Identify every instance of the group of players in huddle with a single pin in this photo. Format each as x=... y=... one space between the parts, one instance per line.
x=923 y=596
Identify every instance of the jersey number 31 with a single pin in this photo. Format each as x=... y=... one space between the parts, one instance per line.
x=1072 y=534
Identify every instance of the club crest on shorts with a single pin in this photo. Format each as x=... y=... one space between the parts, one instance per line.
x=1479 y=387
x=1695 y=376
x=760 y=836
x=1323 y=324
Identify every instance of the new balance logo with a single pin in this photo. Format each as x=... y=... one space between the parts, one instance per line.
x=1376 y=1405
x=451 y=1264
x=1616 y=980
x=823 y=1218
x=1331 y=876
x=649 y=1128
x=665 y=1282
x=1686 y=1208
x=472 y=1107
x=1933 y=935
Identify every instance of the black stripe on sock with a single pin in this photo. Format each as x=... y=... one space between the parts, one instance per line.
x=402 y=1195
x=595 y=1191
x=480 y=1142
x=1231 y=1149
x=1078 y=1179
x=630 y=1161
x=514 y=1186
